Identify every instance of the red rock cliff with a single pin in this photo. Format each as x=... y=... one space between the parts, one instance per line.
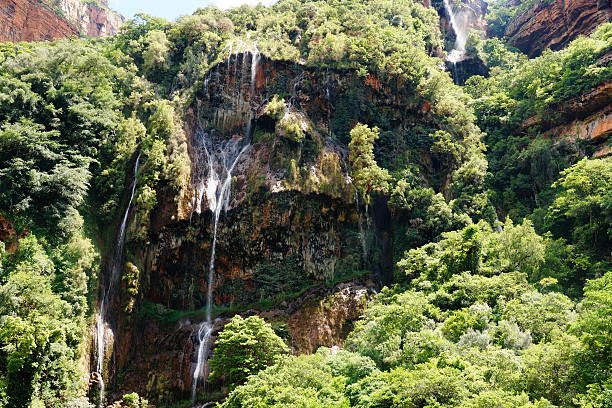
x=554 y=25
x=33 y=20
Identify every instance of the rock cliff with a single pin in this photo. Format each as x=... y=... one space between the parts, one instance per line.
x=554 y=24
x=294 y=229
x=587 y=117
x=32 y=20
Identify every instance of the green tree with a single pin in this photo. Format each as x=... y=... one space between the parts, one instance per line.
x=380 y=333
x=594 y=327
x=367 y=176
x=583 y=206
x=245 y=347
x=304 y=381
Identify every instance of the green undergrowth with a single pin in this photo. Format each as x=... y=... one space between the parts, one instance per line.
x=166 y=315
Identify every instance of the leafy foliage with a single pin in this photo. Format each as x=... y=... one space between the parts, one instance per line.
x=245 y=347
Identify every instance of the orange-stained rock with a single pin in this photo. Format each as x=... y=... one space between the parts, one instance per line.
x=326 y=322
x=555 y=25
x=34 y=20
x=596 y=129
x=8 y=235
x=30 y=20
x=373 y=82
x=587 y=116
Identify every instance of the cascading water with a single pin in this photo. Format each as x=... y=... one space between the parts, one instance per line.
x=103 y=323
x=461 y=24
x=203 y=336
x=213 y=173
x=213 y=168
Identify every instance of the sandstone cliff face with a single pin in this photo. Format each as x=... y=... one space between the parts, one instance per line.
x=33 y=20
x=587 y=117
x=592 y=120
x=554 y=25
x=30 y=20
x=93 y=20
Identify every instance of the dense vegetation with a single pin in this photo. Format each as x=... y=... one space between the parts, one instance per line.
x=481 y=313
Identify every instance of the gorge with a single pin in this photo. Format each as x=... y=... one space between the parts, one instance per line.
x=319 y=203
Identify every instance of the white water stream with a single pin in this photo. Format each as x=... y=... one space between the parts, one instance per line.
x=213 y=171
x=213 y=168
x=104 y=327
x=461 y=24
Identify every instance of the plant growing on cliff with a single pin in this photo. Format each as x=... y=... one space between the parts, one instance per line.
x=276 y=107
x=367 y=176
x=245 y=347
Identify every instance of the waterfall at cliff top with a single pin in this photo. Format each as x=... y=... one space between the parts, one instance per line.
x=103 y=323
x=461 y=23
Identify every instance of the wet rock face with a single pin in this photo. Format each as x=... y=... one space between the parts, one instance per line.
x=555 y=24
x=269 y=246
x=35 y=20
x=462 y=70
x=292 y=219
x=293 y=228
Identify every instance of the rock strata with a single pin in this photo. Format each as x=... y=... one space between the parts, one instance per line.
x=32 y=20
x=554 y=25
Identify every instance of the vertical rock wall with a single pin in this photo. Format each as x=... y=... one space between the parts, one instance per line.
x=30 y=20
x=556 y=24
x=33 y=20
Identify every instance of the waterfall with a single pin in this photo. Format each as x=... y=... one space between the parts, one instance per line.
x=461 y=24
x=102 y=318
x=213 y=173
x=255 y=56
x=204 y=335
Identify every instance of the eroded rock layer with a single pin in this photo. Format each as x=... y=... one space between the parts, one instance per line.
x=33 y=20
x=553 y=25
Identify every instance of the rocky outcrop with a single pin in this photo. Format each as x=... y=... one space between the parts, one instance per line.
x=327 y=322
x=34 y=20
x=93 y=19
x=8 y=235
x=31 y=20
x=587 y=117
x=462 y=70
x=554 y=24
x=595 y=129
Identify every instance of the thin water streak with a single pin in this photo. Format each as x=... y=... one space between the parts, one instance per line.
x=103 y=323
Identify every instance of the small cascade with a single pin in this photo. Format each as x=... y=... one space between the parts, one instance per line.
x=242 y=65
x=204 y=336
x=103 y=321
x=461 y=24
x=213 y=178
